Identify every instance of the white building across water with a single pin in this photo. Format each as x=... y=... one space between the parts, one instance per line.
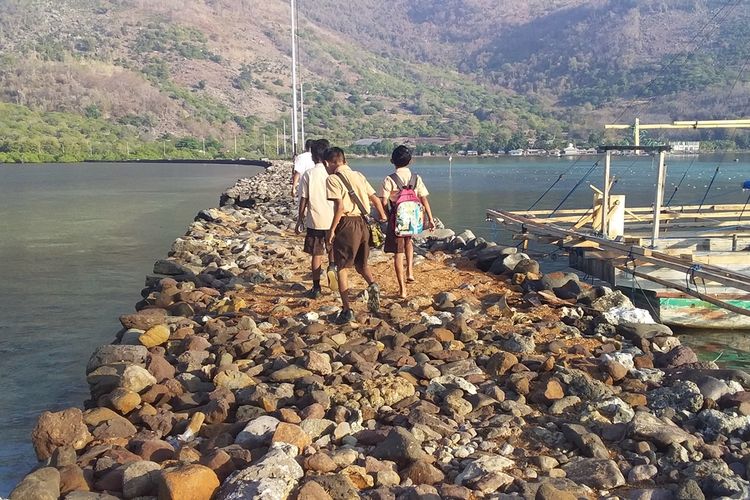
x=685 y=147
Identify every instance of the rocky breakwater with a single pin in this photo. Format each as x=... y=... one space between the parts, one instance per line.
x=491 y=381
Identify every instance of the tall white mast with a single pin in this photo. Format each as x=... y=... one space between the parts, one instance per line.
x=302 y=112
x=294 y=78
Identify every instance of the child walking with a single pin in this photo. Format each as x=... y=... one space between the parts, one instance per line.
x=315 y=213
x=402 y=246
x=349 y=236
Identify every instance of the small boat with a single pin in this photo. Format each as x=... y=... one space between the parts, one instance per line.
x=688 y=312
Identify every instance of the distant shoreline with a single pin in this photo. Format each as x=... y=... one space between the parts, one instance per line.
x=250 y=163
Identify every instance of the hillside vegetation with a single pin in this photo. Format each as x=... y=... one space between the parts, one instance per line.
x=478 y=73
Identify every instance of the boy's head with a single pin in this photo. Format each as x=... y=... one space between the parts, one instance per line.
x=308 y=144
x=318 y=150
x=334 y=158
x=401 y=156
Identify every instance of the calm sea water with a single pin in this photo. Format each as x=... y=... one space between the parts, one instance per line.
x=77 y=240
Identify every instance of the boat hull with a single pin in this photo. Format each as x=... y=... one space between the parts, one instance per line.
x=698 y=314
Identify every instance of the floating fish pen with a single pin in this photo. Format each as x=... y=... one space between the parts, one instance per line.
x=689 y=265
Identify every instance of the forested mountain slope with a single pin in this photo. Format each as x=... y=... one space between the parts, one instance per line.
x=497 y=73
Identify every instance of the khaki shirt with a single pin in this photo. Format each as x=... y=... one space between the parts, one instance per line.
x=337 y=191
x=319 y=209
x=390 y=190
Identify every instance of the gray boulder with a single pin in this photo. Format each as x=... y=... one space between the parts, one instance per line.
x=42 y=484
x=596 y=473
x=273 y=477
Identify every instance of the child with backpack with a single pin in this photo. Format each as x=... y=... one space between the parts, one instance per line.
x=404 y=195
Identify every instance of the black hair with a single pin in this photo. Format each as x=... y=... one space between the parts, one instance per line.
x=401 y=156
x=308 y=144
x=335 y=153
x=318 y=150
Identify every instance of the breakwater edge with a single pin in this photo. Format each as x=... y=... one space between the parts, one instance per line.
x=491 y=380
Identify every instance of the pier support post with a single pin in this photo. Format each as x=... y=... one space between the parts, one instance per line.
x=659 y=198
x=605 y=194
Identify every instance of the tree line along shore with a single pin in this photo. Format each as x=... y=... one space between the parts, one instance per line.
x=492 y=380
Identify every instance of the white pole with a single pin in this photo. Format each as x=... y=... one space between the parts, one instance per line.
x=294 y=80
x=284 y=141
x=659 y=198
x=605 y=193
x=302 y=113
x=235 y=145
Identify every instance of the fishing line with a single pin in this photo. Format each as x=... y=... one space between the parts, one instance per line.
x=677 y=187
x=567 y=171
x=578 y=184
x=710 y=184
x=743 y=209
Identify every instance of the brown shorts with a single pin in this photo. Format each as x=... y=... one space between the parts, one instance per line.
x=351 y=245
x=394 y=244
x=315 y=242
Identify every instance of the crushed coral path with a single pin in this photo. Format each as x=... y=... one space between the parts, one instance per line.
x=490 y=381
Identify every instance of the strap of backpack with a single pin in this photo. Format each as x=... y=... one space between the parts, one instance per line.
x=397 y=180
x=413 y=181
x=353 y=195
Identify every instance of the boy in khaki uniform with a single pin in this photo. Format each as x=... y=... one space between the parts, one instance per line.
x=350 y=235
x=315 y=213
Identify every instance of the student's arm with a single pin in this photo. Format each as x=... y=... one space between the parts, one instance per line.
x=338 y=212
x=430 y=223
x=385 y=194
x=384 y=201
x=378 y=206
x=303 y=203
x=295 y=182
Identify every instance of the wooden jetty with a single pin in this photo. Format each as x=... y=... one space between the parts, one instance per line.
x=690 y=265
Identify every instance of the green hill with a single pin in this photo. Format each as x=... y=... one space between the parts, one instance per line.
x=492 y=74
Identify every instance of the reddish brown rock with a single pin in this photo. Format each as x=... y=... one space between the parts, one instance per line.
x=421 y=472
x=155 y=450
x=292 y=434
x=145 y=319
x=645 y=361
x=634 y=399
x=289 y=415
x=123 y=400
x=442 y=335
x=320 y=462
x=500 y=363
x=313 y=491
x=190 y=482
x=616 y=370
x=72 y=478
x=160 y=423
x=358 y=476
x=160 y=368
x=65 y=428
x=220 y=462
